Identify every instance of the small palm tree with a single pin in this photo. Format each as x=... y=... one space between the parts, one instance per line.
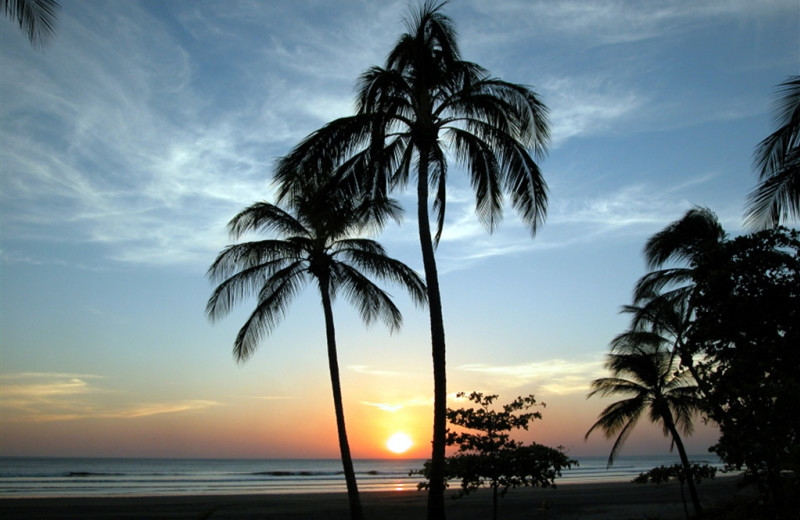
x=36 y=18
x=777 y=159
x=315 y=241
x=424 y=101
x=648 y=377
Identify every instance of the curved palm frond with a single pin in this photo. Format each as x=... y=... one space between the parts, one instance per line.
x=36 y=18
x=264 y=217
x=684 y=239
x=777 y=159
x=275 y=296
x=619 y=419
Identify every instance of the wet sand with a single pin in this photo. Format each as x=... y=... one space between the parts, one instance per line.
x=623 y=501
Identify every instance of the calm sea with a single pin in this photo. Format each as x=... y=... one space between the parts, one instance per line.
x=40 y=477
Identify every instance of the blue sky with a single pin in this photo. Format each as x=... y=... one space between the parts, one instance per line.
x=127 y=145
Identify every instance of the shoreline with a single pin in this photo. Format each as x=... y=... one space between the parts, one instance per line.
x=595 y=501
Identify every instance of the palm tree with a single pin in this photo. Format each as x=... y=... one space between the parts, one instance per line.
x=314 y=242
x=37 y=18
x=777 y=159
x=648 y=376
x=424 y=100
x=684 y=242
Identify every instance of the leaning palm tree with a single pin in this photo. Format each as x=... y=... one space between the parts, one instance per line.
x=315 y=241
x=777 y=159
x=425 y=102
x=36 y=18
x=648 y=378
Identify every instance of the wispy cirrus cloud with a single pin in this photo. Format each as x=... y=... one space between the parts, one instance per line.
x=395 y=406
x=48 y=397
x=556 y=376
x=620 y=21
x=373 y=371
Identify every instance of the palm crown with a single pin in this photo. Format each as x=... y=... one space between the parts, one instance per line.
x=649 y=379
x=427 y=97
x=315 y=242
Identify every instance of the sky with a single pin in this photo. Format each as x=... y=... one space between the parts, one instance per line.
x=128 y=143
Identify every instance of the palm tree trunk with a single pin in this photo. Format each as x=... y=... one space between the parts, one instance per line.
x=687 y=466
x=344 y=446
x=436 y=490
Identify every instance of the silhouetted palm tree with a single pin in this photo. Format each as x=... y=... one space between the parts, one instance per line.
x=425 y=100
x=648 y=376
x=777 y=159
x=683 y=242
x=314 y=243
x=36 y=18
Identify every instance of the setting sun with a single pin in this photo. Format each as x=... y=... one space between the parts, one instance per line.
x=399 y=443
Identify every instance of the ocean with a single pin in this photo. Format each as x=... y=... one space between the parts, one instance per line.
x=64 y=477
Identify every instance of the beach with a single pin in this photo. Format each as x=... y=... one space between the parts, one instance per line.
x=611 y=500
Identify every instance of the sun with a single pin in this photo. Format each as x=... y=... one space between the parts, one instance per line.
x=399 y=443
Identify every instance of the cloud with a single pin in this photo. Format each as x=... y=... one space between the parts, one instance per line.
x=615 y=22
x=586 y=105
x=556 y=376
x=271 y=397
x=47 y=397
x=368 y=370
x=148 y=409
x=396 y=406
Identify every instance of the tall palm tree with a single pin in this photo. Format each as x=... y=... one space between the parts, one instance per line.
x=36 y=18
x=425 y=101
x=649 y=379
x=314 y=242
x=777 y=159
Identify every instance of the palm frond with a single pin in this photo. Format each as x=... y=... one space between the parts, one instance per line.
x=247 y=255
x=36 y=18
x=265 y=217
x=438 y=179
x=484 y=172
x=370 y=301
x=771 y=153
x=680 y=241
x=274 y=299
x=606 y=386
x=372 y=260
x=671 y=283
x=775 y=198
x=619 y=419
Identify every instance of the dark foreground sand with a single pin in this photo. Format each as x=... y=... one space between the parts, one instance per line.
x=618 y=501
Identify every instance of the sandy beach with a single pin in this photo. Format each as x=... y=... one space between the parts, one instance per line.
x=625 y=501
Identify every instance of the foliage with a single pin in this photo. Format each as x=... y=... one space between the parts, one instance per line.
x=777 y=159
x=487 y=456
x=747 y=322
x=646 y=374
x=36 y=18
x=677 y=472
x=663 y=474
